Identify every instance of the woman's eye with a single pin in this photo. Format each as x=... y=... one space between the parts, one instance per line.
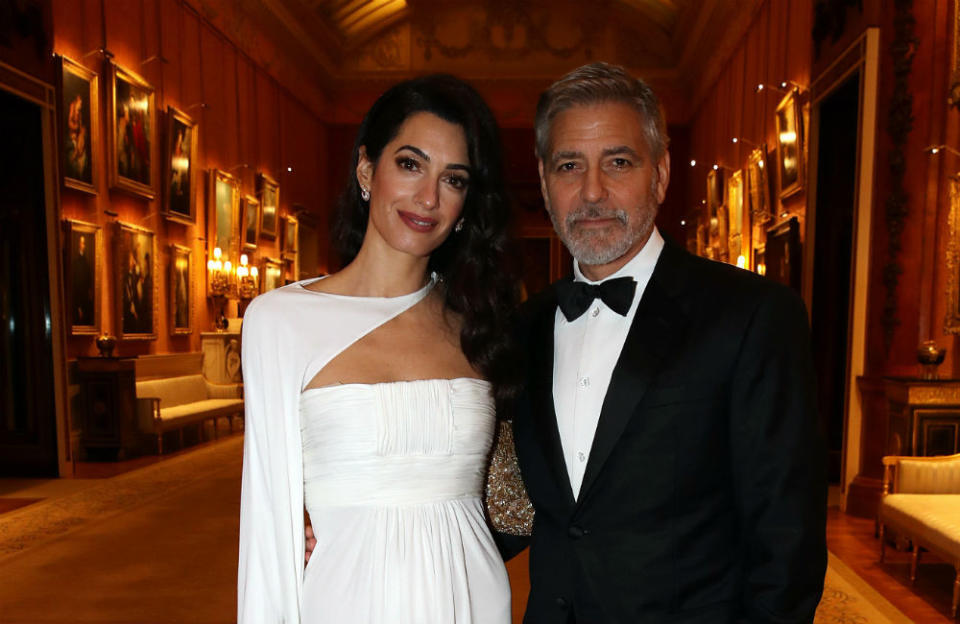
x=405 y=162
x=458 y=182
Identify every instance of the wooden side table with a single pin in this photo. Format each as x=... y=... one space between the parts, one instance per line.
x=108 y=407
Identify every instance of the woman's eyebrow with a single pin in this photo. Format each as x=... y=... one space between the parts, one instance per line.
x=416 y=150
x=419 y=152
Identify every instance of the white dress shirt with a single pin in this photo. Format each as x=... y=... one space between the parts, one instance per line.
x=585 y=353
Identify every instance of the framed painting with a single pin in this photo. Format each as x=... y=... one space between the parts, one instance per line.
x=758 y=185
x=223 y=205
x=131 y=133
x=181 y=295
x=714 y=190
x=269 y=194
x=781 y=254
x=136 y=288
x=736 y=232
x=179 y=167
x=79 y=125
x=790 y=144
x=249 y=223
x=83 y=257
x=290 y=233
x=759 y=260
x=271 y=274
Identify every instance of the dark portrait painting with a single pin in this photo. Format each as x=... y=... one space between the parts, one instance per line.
x=132 y=133
x=179 y=167
x=180 y=295
x=82 y=256
x=250 y=224
x=269 y=217
x=135 y=260
x=78 y=103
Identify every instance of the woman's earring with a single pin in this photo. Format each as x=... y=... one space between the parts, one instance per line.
x=364 y=194
x=459 y=226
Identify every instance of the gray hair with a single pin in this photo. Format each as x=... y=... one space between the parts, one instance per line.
x=596 y=83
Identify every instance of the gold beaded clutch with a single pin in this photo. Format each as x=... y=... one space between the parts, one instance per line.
x=508 y=505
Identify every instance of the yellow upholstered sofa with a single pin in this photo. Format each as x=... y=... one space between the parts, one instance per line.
x=921 y=503
x=172 y=393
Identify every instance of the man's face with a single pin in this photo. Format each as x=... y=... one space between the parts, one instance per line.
x=601 y=185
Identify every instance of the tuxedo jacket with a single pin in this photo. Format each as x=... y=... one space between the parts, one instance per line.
x=704 y=497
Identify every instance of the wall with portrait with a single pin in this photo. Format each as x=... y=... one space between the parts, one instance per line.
x=141 y=128
x=754 y=134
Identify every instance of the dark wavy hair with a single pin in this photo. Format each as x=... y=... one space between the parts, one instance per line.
x=477 y=280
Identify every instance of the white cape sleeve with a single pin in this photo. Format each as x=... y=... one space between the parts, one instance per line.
x=289 y=334
x=271 y=501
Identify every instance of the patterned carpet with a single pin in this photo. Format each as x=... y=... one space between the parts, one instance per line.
x=124 y=537
x=848 y=599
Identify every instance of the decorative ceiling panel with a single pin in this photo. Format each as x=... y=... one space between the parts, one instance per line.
x=670 y=42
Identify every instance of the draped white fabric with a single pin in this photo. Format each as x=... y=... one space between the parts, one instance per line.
x=289 y=334
x=393 y=477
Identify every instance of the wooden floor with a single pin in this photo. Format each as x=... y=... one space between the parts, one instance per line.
x=927 y=602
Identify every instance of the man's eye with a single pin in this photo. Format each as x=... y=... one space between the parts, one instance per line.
x=405 y=162
x=621 y=163
x=567 y=166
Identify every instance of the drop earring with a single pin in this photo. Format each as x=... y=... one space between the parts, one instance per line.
x=459 y=226
x=364 y=194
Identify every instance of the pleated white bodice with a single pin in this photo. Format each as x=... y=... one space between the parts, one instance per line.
x=393 y=475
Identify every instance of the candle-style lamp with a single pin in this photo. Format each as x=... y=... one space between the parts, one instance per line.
x=246 y=279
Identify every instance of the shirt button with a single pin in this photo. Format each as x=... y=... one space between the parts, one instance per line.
x=581 y=456
x=595 y=312
x=584 y=382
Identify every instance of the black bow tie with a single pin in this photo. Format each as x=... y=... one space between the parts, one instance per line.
x=575 y=297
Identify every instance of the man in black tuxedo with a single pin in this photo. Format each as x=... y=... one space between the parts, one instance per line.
x=667 y=433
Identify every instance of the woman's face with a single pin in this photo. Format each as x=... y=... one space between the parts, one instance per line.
x=418 y=185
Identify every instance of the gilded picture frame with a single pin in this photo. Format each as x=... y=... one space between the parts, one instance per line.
x=249 y=223
x=790 y=144
x=79 y=126
x=716 y=216
x=758 y=185
x=136 y=297
x=181 y=290
x=180 y=167
x=83 y=265
x=951 y=324
x=290 y=234
x=223 y=213
x=131 y=132
x=271 y=274
x=737 y=232
x=268 y=192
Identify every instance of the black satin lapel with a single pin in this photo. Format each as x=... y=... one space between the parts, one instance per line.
x=541 y=393
x=658 y=328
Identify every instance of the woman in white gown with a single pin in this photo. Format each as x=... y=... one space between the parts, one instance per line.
x=370 y=393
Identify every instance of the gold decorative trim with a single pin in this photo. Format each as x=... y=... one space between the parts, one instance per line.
x=954 y=97
x=951 y=324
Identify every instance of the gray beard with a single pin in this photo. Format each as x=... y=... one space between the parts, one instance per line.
x=591 y=247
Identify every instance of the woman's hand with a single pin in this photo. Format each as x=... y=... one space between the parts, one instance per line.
x=311 y=543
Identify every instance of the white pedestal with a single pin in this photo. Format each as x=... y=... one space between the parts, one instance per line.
x=221 y=356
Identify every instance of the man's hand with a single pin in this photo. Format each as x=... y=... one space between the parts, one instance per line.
x=311 y=543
